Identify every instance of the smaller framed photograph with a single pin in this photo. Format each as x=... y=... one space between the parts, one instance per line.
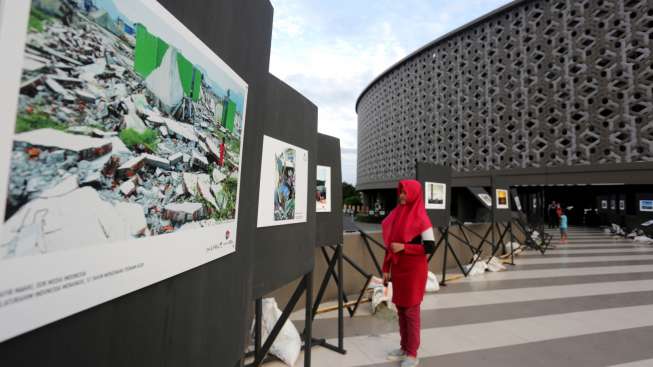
x=435 y=195
x=502 y=199
x=323 y=189
x=604 y=204
x=622 y=204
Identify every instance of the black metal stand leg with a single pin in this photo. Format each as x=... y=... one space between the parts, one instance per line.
x=259 y=357
x=369 y=249
x=443 y=282
x=512 y=246
x=325 y=280
x=335 y=260
x=308 y=329
x=341 y=316
x=258 y=314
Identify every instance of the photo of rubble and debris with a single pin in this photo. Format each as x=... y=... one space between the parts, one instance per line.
x=122 y=131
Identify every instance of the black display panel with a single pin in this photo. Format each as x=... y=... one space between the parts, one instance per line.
x=436 y=185
x=283 y=253
x=329 y=224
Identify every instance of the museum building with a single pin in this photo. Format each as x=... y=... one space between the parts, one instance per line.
x=553 y=96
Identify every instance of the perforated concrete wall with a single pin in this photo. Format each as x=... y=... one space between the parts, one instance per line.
x=540 y=83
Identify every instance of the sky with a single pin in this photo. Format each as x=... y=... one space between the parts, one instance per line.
x=330 y=50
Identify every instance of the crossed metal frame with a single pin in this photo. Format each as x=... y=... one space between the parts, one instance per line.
x=260 y=353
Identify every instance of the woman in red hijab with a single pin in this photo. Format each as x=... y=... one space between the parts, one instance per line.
x=408 y=237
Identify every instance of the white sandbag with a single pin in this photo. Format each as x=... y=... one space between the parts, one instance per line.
x=647 y=223
x=607 y=231
x=644 y=239
x=288 y=343
x=165 y=81
x=512 y=246
x=479 y=267
x=432 y=284
x=535 y=235
x=632 y=235
x=494 y=265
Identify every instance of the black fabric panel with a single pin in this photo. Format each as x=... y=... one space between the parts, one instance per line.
x=284 y=253
x=427 y=172
x=197 y=318
x=329 y=225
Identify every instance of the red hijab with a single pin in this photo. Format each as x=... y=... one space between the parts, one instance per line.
x=406 y=222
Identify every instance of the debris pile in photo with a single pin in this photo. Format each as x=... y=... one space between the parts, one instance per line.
x=118 y=136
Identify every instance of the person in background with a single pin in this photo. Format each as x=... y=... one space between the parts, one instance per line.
x=408 y=237
x=551 y=215
x=558 y=214
x=563 y=227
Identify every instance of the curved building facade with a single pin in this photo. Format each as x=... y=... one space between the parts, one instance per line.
x=533 y=86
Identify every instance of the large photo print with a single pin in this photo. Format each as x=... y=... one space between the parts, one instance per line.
x=126 y=129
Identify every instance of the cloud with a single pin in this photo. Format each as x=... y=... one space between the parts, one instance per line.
x=330 y=50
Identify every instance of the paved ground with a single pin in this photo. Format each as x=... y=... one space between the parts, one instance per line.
x=588 y=303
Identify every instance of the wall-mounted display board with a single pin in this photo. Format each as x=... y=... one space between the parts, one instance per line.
x=502 y=199
x=436 y=183
x=167 y=322
x=329 y=228
x=284 y=242
x=283 y=184
x=122 y=155
x=622 y=204
x=604 y=204
x=323 y=189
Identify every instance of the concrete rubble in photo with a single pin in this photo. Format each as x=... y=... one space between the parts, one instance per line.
x=82 y=171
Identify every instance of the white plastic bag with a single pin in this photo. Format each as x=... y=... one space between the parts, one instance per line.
x=381 y=296
x=432 y=284
x=288 y=343
x=644 y=239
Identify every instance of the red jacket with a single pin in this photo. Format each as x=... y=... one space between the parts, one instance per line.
x=409 y=275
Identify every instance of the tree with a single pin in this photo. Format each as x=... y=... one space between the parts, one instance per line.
x=348 y=190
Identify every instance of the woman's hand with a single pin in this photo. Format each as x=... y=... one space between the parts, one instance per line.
x=396 y=247
x=386 y=278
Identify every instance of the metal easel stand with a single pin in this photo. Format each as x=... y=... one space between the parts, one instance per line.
x=545 y=238
x=260 y=351
x=444 y=238
x=332 y=262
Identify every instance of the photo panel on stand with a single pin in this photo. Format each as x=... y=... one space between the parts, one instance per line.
x=123 y=138
x=283 y=184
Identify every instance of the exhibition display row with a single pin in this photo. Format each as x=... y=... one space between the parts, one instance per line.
x=158 y=182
